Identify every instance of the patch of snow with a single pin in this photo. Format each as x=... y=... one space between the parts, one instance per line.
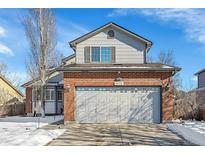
x=24 y=130
x=193 y=131
x=19 y=119
x=165 y=66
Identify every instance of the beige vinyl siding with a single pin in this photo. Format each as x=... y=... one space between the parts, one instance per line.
x=127 y=49
x=201 y=80
x=70 y=61
x=8 y=92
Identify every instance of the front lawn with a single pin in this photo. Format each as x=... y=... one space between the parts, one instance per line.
x=24 y=131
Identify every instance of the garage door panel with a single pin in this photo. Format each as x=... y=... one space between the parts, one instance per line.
x=118 y=104
x=91 y=106
x=81 y=112
x=123 y=105
x=101 y=107
x=156 y=104
x=112 y=107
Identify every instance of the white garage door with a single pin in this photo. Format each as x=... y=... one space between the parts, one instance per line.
x=117 y=104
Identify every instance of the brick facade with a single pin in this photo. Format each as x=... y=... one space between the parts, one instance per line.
x=162 y=79
x=28 y=100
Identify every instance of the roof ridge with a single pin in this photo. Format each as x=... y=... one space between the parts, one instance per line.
x=202 y=70
x=72 y=43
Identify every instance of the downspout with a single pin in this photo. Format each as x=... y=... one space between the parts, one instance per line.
x=145 y=53
x=174 y=105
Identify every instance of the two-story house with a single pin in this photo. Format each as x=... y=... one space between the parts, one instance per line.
x=107 y=80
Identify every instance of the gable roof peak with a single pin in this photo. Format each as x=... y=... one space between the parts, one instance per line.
x=92 y=33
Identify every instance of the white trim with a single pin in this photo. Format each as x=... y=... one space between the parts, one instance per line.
x=98 y=30
x=50 y=90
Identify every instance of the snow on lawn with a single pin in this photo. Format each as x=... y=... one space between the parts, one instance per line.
x=24 y=131
x=193 y=131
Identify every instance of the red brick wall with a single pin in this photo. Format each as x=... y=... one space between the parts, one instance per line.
x=28 y=100
x=74 y=79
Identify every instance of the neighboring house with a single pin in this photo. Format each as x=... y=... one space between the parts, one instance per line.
x=200 y=90
x=201 y=78
x=8 y=92
x=108 y=80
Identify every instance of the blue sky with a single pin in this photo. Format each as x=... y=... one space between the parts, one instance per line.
x=179 y=29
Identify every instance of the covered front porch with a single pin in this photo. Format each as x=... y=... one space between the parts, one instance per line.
x=53 y=99
x=53 y=96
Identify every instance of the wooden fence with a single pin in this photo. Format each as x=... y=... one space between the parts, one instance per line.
x=12 y=109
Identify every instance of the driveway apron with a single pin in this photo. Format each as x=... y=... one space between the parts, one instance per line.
x=117 y=135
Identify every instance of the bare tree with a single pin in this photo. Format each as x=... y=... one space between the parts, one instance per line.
x=188 y=104
x=40 y=29
x=167 y=57
x=13 y=77
x=4 y=98
x=3 y=69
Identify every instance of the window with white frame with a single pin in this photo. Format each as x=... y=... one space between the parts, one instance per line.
x=50 y=94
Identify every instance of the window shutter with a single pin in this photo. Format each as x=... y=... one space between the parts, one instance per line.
x=112 y=54
x=87 y=54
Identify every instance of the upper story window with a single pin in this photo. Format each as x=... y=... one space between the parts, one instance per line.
x=105 y=54
x=111 y=34
x=99 y=54
x=95 y=54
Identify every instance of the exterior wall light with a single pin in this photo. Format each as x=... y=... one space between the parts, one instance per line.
x=67 y=88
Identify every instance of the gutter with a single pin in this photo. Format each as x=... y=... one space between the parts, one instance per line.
x=113 y=69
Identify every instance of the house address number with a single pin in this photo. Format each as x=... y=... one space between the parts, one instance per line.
x=119 y=83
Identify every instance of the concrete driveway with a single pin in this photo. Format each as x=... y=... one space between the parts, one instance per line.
x=117 y=134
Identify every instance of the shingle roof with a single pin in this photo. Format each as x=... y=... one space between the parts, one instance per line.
x=202 y=70
x=69 y=57
x=119 y=67
x=37 y=78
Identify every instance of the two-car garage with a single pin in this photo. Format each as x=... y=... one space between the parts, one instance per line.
x=118 y=104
